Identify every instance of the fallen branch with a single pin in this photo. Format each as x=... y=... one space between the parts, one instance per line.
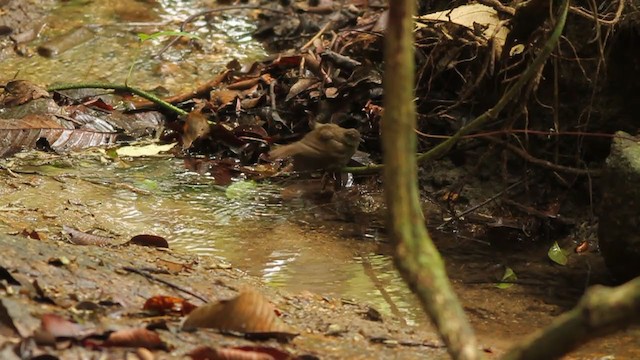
x=545 y=163
x=163 y=104
x=168 y=283
x=415 y=255
x=601 y=311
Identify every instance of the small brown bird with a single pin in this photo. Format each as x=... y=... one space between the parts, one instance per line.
x=326 y=147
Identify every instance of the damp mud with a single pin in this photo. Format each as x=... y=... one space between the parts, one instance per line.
x=286 y=240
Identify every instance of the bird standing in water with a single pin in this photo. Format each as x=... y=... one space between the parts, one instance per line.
x=327 y=147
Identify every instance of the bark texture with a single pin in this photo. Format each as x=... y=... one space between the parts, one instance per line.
x=416 y=257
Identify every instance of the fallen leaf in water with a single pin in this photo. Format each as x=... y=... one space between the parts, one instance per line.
x=149 y=240
x=47 y=133
x=248 y=313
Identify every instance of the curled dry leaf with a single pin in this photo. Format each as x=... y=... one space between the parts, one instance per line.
x=149 y=240
x=167 y=304
x=82 y=238
x=248 y=313
x=18 y=92
x=239 y=353
x=53 y=327
x=139 y=337
x=195 y=127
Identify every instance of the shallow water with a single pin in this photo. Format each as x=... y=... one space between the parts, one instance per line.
x=109 y=55
x=258 y=229
x=251 y=228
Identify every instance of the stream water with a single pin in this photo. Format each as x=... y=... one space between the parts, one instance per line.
x=253 y=232
x=249 y=226
x=109 y=55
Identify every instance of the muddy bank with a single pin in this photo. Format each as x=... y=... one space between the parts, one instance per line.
x=313 y=246
x=90 y=285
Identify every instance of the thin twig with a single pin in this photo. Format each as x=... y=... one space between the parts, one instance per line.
x=584 y=13
x=316 y=36
x=128 y=88
x=477 y=206
x=169 y=284
x=545 y=163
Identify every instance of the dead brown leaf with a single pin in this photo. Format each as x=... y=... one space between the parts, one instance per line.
x=149 y=240
x=18 y=92
x=82 y=238
x=248 y=313
x=195 y=127
x=168 y=304
x=239 y=353
x=139 y=337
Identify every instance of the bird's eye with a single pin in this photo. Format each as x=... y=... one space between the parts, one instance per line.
x=352 y=134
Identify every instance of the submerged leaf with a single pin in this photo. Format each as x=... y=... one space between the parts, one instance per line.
x=43 y=130
x=240 y=189
x=557 y=255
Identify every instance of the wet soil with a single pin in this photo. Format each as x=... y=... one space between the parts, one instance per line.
x=324 y=262
x=322 y=269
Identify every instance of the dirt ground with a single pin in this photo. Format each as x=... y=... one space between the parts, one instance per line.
x=90 y=285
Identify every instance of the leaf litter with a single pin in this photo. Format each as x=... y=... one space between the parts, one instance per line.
x=107 y=308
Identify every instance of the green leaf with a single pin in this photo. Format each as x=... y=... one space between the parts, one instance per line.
x=240 y=189
x=507 y=279
x=112 y=153
x=557 y=255
x=144 y=37
x=149 y=184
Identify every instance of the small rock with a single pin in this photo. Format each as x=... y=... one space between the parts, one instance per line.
x=619 y=223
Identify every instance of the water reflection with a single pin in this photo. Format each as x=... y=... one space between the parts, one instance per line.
x=254 y=230
x=108 y=56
